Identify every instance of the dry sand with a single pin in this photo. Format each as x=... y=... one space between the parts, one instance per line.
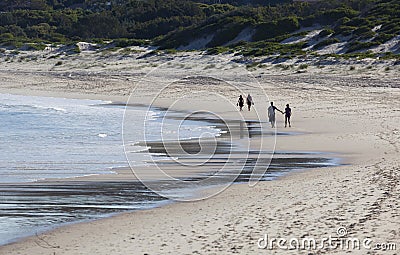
x=354 y=114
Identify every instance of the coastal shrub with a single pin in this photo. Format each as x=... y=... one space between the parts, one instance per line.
x=76 y=49
x=391 y=27
x=326 y=42
x=390 y=55
x=217 y=50
x=265 y=48
x=268 y=30
x=170 y=51
x=228 y=32
x=360 y=46
x=344 y=30
x=357 y=55
x=288 y=24
x=6 y=37
x=358 y=22
x=307 y=21
x=59 y=63
x=362 y=30
x=284 y=67
x=252 y=65
x=330 y=16
x=325 y=32
x=125 y=42
x=342 y=21
x=172 y=23
x=265 y=30
x=352 y=68
x=36 y=46
x=382 y=37
x=303 y=66
x=14 y=44
x=367 y=35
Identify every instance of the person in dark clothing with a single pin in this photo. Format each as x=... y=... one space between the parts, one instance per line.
x=240 y=102
x=288 y=113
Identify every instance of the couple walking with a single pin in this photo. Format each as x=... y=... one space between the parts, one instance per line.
x=271 y=110
x=271 y=114
x=249 y=102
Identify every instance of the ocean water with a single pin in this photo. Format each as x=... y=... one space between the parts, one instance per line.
x=45 y=137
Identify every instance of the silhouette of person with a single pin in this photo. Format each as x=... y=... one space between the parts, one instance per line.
x=288 y=113
x=240 y=102
x=249 y=101
x=271 y=114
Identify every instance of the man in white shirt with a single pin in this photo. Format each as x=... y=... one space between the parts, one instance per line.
x=271 y=114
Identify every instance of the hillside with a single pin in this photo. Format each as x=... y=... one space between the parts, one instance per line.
x=247 y=27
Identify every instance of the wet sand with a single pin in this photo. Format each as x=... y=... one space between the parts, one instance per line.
x=354 y=115
x=46 y=204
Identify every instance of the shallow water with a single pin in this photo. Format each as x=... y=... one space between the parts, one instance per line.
x=44 y=137
x=59 y=138
x=30 y=208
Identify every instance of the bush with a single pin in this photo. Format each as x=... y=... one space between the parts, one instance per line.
x=6 y=37
x=227 y=32
x=342 y=21
x=391 y=27
x=344 y=30
x=307 y=21
x=125 y=42
x=330 y=16
x=217 y=50
x=269 y=30
x=288 y=25
x=367 y=35
x=265 y=31
x=325 y=32
x=358 y=22
x=359 y=46
x=382 y=37
x=36 y=46
x=326 y=42
x=362 y=30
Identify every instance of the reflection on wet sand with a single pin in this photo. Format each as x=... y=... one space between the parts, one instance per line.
x=39 y=206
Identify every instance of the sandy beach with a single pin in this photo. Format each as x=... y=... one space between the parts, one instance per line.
x=350 y=114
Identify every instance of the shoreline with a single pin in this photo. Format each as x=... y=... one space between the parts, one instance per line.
x=360 y=123
x=121 y=173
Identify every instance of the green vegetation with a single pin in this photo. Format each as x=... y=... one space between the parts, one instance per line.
x=169 y=24
x=326 y=42
x=303 y=66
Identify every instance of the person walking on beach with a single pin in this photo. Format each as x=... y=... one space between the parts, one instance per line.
x=271 y=114
x=249 y=101
x=240 y=102
x=288 y=113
